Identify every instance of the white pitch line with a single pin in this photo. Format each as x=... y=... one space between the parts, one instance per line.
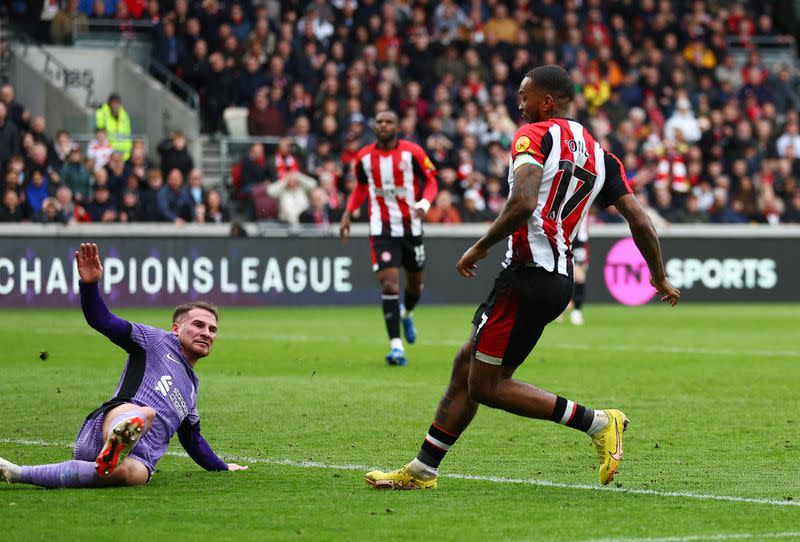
x=702 y=537
x=494 y=479
x=558 y=346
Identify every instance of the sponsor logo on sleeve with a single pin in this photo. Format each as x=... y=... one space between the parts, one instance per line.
x=523 y=144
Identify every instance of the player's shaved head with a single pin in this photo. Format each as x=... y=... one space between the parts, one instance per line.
x=553 y=80
x=387 y=115
x=182 y=310
x=386 y=126
x=546 y=92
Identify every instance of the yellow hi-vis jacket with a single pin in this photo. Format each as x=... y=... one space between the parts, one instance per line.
x=118 y=129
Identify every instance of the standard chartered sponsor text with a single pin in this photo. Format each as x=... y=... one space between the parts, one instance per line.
x=249 y=275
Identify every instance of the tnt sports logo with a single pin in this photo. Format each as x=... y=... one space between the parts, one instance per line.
x=627 y=276
x=164 y=385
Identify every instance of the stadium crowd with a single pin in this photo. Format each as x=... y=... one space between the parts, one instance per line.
x=703 y=138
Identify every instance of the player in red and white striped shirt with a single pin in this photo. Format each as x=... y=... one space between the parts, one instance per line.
x=557 y=170
x=400 y=181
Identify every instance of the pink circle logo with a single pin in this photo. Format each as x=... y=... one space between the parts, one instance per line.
x=626 y=273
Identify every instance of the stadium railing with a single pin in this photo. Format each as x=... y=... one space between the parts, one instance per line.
x=58 y=73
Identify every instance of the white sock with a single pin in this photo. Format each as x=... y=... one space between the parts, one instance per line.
x=396 y=343
x=421 y=470
x=13 y=471
x=599 y=422
x=404 y=313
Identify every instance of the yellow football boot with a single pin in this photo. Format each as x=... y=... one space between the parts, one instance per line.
x=401 y=478
x=608 y=442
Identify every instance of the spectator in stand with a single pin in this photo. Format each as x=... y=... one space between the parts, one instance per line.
x=11 y=207
x=16 y=170
x=683 y=121
x=130 y=209
x=292 y=192
x=112 y=117
x=240 y=27
x=255 y=169
x=9 y=137
x=263 y=119
x=473 y=208
x=148 y=198
x=65 y=21
x=137 y=165
x=783 y=87
x=692 y=214
x=315 y=25
x=17 y=113
x=220 y=94
x=790 y=215
x=102 y=208
x=174 y=202
x=174 y=154
x=285 y=161
x=72 y=212
x=212 y=210
x=443 y=211
x=75 y=176
x=319 y=213
x=788 y=144
x=63 y=145
x=194 y=185
x=39 y=160
x=304 y=141
x=37 y=191
x=195 y=69
x=168 y=49
x=88 y=7
x=115 y=173
x=251 y=80
x=99 y=150
x=51 y=212
x=38 y=131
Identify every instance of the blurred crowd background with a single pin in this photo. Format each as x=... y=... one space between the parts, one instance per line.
x=705 y=135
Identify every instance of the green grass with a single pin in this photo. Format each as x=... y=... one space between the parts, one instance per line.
x=712 y=393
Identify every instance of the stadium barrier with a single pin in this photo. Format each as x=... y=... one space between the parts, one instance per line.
x=154 y=265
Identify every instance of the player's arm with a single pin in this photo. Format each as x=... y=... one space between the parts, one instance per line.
x=94 y=309
x=646 y=239
x=200 y=450
x=521 y=203
x=355 y=201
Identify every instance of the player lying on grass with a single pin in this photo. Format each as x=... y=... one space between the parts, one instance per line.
x=557 y=170
x=120 y=443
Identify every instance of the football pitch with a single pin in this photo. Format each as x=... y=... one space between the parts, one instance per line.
x=303 y=396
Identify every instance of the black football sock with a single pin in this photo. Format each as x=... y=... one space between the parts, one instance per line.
x=391 y=314
x=572 y=414
x=436 y=444
x=411 y=301
x=579 y=295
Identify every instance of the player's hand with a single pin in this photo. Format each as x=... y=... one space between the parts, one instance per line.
x=421 y=209
x=88 y=259
x=234 y=466
x=468 y=262
x=344 y=227
x=669 y=293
